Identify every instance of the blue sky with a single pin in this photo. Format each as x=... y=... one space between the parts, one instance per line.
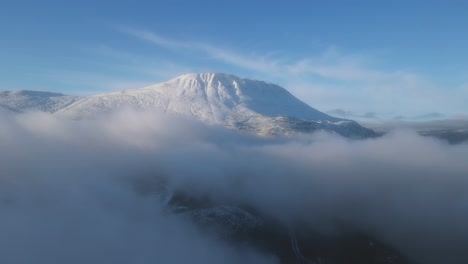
x=374 y=58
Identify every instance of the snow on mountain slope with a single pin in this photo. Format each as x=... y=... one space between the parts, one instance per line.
x=217 y=98
x=20 y=101
x=210 y=97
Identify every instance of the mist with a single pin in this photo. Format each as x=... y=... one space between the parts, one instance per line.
x=86 y=191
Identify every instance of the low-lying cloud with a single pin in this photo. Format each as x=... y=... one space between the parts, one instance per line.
x=68 y=189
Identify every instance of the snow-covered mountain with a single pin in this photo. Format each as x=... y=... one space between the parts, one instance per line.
x=210 y=97
x=217 y=98
x=21 y=101
x=214 y=98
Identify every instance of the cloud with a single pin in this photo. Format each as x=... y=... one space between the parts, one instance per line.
x=329 y=78
x=106 y=69
x=447 y=125
x=331 y=63
x=405 y=96
x=68 y=192
x=65 y=197
x=433 y=115
x=348 y=114
x=340 y=112
x=256 y=63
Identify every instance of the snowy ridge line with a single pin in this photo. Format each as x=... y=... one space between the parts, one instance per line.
x=21 y=101
x=215 y=98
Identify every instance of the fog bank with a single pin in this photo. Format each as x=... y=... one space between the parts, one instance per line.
x=70 y=191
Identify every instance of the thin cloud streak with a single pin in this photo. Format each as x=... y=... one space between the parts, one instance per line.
x=330 y=79
x=260 y=64
x=330 y=64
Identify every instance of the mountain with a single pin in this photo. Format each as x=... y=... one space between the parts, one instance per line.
x=21 y=101
x=217 y=98
x=214 y=98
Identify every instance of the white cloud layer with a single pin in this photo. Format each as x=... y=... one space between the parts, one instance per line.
x=68 y=195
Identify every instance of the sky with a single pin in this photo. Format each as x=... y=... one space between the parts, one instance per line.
x=359 y=59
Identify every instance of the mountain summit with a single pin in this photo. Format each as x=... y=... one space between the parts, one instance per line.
x=219 y=98
x=213 y=97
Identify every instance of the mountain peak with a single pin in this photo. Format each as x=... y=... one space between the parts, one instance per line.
x=227 y=93
x=206 y=79
x=208 y=76
x=213 y=78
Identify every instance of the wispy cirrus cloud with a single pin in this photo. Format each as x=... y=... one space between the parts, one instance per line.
x=327 y=79
x=104 y=68
x=330 y=63
x=257 y=63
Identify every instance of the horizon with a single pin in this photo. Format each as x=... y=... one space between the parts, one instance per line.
x=369 y=120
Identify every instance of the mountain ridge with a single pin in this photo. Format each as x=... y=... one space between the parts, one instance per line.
x=218 y=98
x=27 y=100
